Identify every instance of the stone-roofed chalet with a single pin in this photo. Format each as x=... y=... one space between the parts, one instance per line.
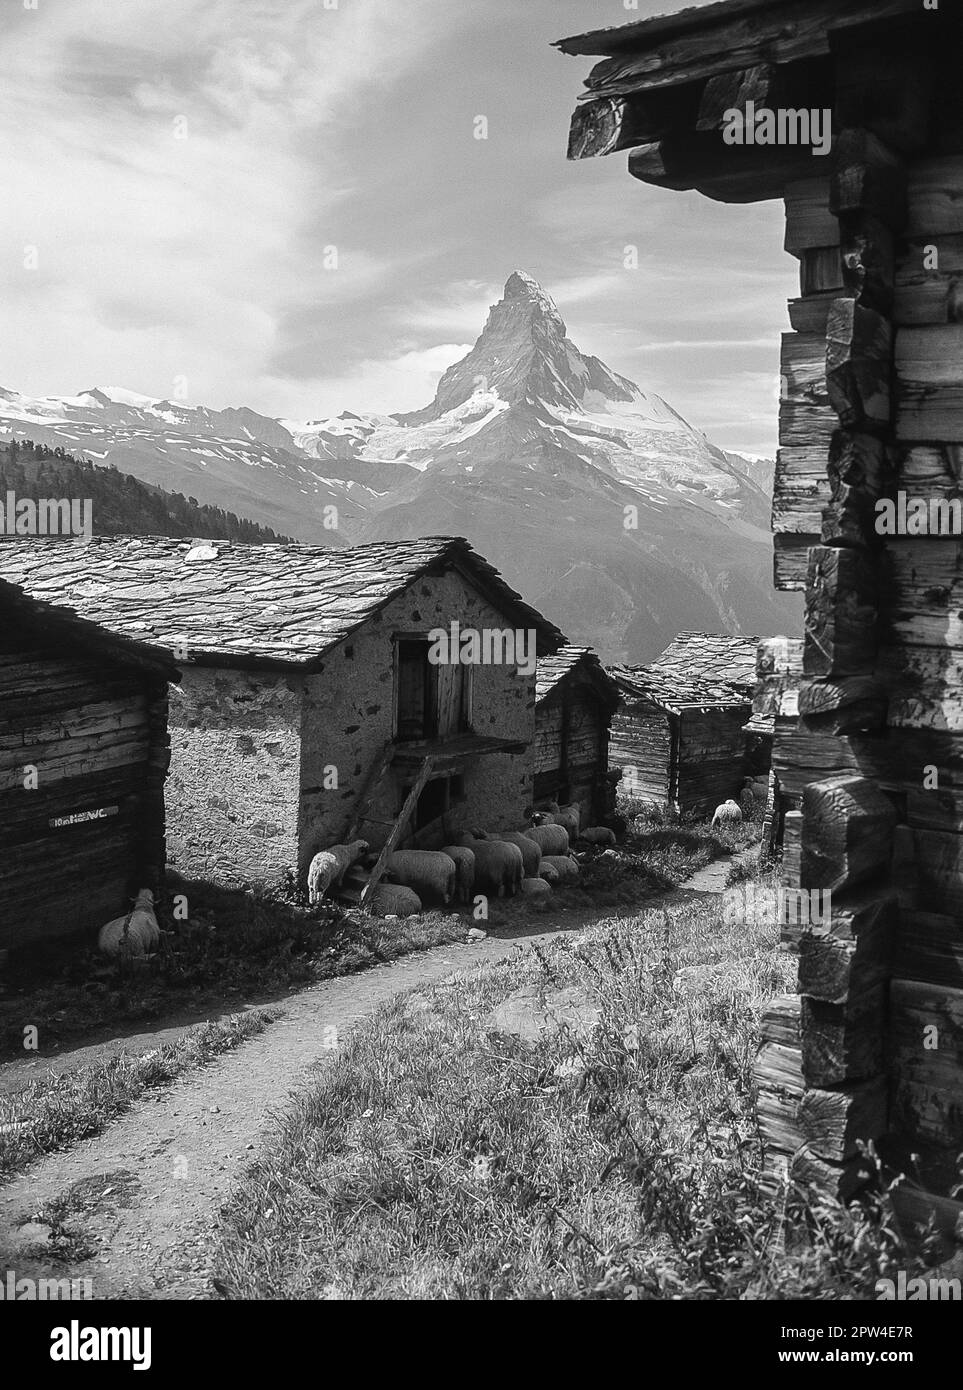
x=678 y=736
x=307 y=706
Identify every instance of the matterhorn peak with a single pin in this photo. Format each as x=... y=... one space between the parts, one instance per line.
x=524 y=357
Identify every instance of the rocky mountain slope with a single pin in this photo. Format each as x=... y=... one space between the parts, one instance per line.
x=596 y=499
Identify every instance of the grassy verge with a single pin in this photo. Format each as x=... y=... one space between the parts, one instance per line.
x=54 y=1113
x=443 y=1158
x=235 y=944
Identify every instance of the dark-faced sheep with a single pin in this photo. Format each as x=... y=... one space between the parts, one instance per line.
x=548 y=872
x=551 y=839
x=464 y=870
x=329 y=866
x=499 y=867
x=729 y=813
x=429 y=872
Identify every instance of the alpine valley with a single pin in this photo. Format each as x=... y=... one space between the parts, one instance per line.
x=600 y=503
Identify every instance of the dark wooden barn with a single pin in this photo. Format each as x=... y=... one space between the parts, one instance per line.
x=870 y=427
x=574 y=703
x=83 y=756
x=679 y=735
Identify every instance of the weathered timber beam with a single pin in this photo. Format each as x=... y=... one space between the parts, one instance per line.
x=609 y=124
x=868 y=178
x=929 y=382
x=853 y=951
x=929 y=282
x=844 y=1041
x=840 y=612
x=674 y=48
x=847 y=832
x=726 y=173
x=859 y=365
x=729 y=91
x=835 y=1123
x=850 y=704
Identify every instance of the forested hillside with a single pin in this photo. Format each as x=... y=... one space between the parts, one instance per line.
x=121 y=504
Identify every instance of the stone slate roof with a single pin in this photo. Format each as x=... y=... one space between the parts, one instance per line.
x=697 y=670
x=247 y=605
x=62 y=627
x=553 y=669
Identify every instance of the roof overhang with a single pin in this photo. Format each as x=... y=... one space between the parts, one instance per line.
x=664 y=86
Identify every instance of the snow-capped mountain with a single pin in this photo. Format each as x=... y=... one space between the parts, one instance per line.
x=596 y=499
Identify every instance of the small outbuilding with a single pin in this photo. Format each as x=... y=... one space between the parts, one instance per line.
x=316 y=705
x=678 y=736
x=575 y=699
x=83 y=755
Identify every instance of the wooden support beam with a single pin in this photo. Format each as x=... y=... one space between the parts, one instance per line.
x=846 y=833
x=841 y=600
x=844 y=1042
x=868 y=179
x=854 y=951
x=859 y=365
x=927 y=1047
x=728 y=91
x=835 y=1123
x=849 y=704
x=397 y=830
x=609 y=124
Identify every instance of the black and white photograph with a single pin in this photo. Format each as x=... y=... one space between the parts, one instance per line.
x=481 y=670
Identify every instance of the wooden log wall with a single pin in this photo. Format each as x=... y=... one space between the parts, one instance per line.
x=837 y=435
x=571 y=746
x=97 y=735
x=711 y=758
x=642 y=743
x=873 y=405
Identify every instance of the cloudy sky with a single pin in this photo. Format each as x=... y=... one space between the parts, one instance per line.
x=283 y=203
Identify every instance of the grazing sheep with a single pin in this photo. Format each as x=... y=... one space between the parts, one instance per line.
x=566 y=868
x=429 y=872
x=329 y=866
x=597 y=835
x=464 y=870
x=134 y=936
x=570 y=816
x=499 y=867
x=728 y=813
x=536 y=889
x=551 y=839
x=394 y=900
x=531 y=852
x=548 y=873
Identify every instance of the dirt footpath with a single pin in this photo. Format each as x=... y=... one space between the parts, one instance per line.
x=145 y=1187
x=135 y=1200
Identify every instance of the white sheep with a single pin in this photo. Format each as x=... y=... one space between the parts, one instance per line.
x=570 y=816
x=134 y=936
x=566 y=868
x=429 y=872
x=499 y=867
x=729 y=813
x=329 y=866
x=548 y=873
x=537 y=890
x=597 y=835
x=394 y=900
x=551 y=839
x=531 y=852
x=464 y=870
